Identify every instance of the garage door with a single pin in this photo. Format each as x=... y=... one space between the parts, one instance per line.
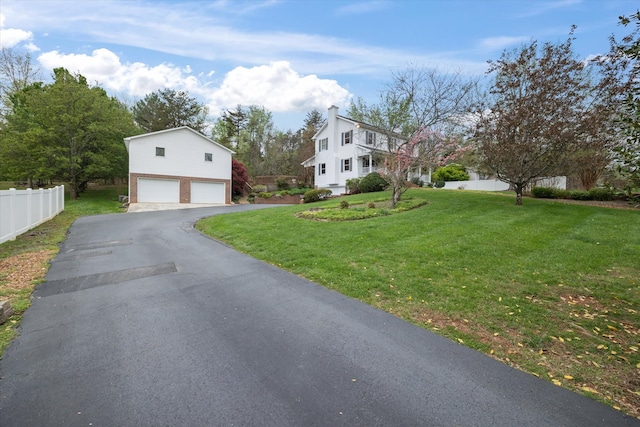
x=207 y=192
x=158 y=190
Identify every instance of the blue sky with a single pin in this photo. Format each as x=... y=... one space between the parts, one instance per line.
x=289 y=56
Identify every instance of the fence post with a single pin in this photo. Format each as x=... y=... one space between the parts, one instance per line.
x=41 y=210
x=12 y=215
x=52 y=194
x=29 y=216
x=61 y=198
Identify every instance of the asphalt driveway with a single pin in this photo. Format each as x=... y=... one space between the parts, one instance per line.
x=143 y=321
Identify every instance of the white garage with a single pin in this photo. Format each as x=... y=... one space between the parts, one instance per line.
x=151 y=190
x=208 y=192
x=178 y=165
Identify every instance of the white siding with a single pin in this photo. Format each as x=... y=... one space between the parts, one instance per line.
x=184 y=155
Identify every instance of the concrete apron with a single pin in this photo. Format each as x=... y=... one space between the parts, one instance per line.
x=150 y=207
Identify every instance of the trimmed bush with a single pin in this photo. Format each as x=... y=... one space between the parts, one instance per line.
x=259 y=188
x=282 y=183
x=353 y=186
x=452 y=172
x=603 y=194
x=579 y=195
x=265 y=195
x=344 y=204
x=300 y=190
x=438 y=184
x=316 y=195
x=372 y=183
x=417 y=181
x=543 y=192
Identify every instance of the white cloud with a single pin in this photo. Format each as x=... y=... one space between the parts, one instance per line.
x=499 y=43
x=10 y=37
x=363 y=7
x=196 y=32
x=544 y=7
x=278 y=88
x=136 y=79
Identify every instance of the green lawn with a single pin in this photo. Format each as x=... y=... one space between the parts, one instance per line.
x=548 y=287
x=29 y=254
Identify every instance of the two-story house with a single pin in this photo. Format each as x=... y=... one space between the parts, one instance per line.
x=346 y=149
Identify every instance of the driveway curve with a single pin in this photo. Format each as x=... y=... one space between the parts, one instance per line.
x=143 y=321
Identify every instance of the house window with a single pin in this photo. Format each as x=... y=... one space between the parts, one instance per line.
x=323 y=144
x=208 y=157
x=322 y=168
x=160 y=151
x=347 y=137
x=346 y=165
x=370 y=138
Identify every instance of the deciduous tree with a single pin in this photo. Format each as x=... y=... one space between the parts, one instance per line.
x=416 y=105
x=68 y=131
x=17 y=71
x=533 y=121
x=312 y=124
x=629 y=152
x=239 y=177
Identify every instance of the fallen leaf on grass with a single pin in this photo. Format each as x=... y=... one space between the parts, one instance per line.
x=590 y=389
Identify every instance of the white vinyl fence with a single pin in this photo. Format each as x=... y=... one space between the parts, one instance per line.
x=559 y=182
x=22 y=210
x=479 y=184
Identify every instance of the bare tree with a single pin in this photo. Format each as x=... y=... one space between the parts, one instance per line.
x=17 y=71
x=532 y=125
x=414 y=107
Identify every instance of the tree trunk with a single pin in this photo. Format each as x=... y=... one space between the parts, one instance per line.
x=395 y=196
x=518 y=195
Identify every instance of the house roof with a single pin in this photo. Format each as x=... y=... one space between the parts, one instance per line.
x=309 y=162
x=128 y=140
x=357 y=124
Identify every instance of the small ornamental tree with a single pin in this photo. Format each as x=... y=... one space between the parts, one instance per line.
x=531 y=125
x=239 y=177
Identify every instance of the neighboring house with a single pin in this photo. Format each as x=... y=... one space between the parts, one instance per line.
x=345 y=149
x=178 y=166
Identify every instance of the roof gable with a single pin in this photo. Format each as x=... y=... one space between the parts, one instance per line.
x=129 y=139
x=359 y=125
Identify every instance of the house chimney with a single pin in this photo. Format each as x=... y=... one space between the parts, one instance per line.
x=333 y=112
x=332 y=127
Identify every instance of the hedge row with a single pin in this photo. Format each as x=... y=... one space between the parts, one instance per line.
x=603 y=194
